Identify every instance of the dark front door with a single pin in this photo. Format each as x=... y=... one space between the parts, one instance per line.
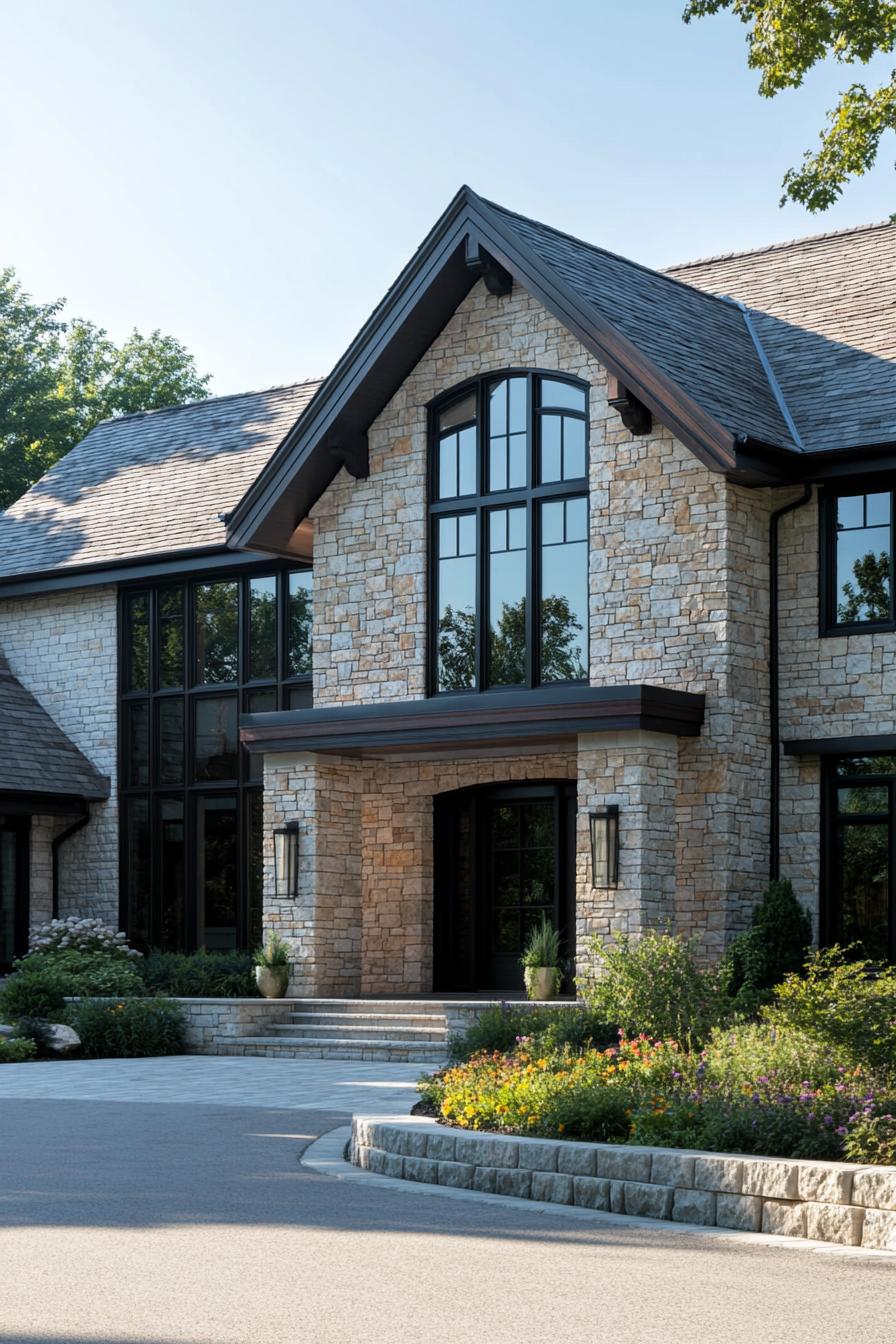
x=13 y=890
x=504 y=859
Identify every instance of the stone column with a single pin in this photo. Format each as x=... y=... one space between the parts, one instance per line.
x=322 y=793
x=639 y=772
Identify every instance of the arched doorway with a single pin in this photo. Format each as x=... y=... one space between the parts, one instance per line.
x=504 y=855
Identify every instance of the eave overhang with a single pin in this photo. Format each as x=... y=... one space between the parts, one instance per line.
x=872 y=744
x=469 y=240
x=466 y=722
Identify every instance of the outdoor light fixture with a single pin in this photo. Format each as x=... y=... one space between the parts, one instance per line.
x=286 y=860
x=605 y=846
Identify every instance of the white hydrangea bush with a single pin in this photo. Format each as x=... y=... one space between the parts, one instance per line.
x=83 y=935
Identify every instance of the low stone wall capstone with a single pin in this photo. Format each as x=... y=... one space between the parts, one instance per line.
x=823 y=1201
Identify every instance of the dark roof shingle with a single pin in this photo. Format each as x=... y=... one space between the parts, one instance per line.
x=35 y=754
x=141 y=485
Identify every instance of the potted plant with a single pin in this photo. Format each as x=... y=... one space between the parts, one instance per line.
x=272 y=967
x=541 y=961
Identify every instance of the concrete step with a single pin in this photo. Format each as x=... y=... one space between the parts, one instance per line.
x=374 y=1030
x=299 y=1047
x=425 y=1021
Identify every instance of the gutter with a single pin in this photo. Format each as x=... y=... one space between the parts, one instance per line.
x=55 y=845
x=774 y=858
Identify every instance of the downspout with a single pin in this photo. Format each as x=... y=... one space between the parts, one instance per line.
x=774 y=858
x=55 y=845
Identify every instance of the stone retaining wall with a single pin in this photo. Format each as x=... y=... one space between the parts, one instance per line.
x=214 y=1023
x=824 y=1201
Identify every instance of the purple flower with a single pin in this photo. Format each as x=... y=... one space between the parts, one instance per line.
x=841 y=1129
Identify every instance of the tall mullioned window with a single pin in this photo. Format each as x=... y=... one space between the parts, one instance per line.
x=858 y=561
x=194 y=656
x=509 y=534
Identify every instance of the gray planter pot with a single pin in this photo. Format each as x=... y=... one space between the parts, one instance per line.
x=540 y=982
x=272 y=981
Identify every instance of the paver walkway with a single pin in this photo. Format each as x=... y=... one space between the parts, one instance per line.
x=292 y=1084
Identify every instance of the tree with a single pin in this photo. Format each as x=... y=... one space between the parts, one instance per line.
x=58 y=380
x=560 y=645
x=869 y=598
x=786 y=39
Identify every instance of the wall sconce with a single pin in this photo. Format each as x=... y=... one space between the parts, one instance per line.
x=286 y=860
x=605 y=846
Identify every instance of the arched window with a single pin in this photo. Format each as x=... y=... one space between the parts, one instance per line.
x=509 y=534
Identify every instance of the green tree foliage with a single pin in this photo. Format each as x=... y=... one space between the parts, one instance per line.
x=58 y=379
x=776 y=944
x=868 y=599
x=786 y=38
x=560 y=645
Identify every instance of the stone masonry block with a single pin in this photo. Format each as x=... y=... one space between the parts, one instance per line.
x=623 y=1164
x=835 y=1222
x=617 y=1196
x=552 y=1188
x=675 y=1169
x=575 y=1159
x=741 y=1212
x=648 y=1201
x=875 y=1188
x=459 y=1175
x=724 y=1174
x=410 y=1142
x=486 y=1152
x=826 y=1184
x=694 y=1206
x=783 y=1218
x=512 y=1181
x=421 y=1169
x=774 y=1180
x=879 y=1230
x=484 y=1180
x=591 y=1192
x=538 y=1156
x=440 y=1146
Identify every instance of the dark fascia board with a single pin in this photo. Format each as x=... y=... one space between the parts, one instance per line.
x=492 y=719
x=402 y=328
x=13 y=803
x=764 y=464
x=171 y=565
x=872 y=745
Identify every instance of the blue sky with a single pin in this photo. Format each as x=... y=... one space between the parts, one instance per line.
x=252 y=176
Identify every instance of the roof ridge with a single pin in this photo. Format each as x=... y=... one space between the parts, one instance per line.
x=605 y=251
x=207 y=401
x=780 y=247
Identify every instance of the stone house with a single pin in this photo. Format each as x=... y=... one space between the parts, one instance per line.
x=567 y=592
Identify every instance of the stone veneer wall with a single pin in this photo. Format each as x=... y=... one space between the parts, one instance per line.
x=678 y=597
x=63 y=647
x=838 y=686
x=826 y=1201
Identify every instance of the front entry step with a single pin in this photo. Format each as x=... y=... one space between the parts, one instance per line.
x=395 y=1030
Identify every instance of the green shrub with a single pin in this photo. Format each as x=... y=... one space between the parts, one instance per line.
x=16 y=1049
x=736 y=1057
x=654 y=985
x=128 y=1028
x=33 y=993
x=211 y=975
x=846 y=1005
x=776 y=944
x=501 y=1026
x=873 y=1139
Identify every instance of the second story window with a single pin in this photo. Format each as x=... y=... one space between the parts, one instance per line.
x=509 y=534
x=858 y=561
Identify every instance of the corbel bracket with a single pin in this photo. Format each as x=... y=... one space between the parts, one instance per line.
x=634 y=414
x=483 y=265
x=353 y=455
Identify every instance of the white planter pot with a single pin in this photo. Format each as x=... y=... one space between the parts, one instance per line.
x=540 y=982
x=272 y=982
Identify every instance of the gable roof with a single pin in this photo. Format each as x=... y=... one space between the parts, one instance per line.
x=37 y=757
x=140 y=486
x=825 y=311
x=759 y=395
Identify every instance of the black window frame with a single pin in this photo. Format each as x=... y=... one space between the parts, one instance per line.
x=483 y=502
x=831 y=823
x=191 y=692
x=829 y=626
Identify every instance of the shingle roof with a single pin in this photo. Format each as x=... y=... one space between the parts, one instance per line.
x=700 y=341
x=825 y=310
x=36 y=755
x=140 y=485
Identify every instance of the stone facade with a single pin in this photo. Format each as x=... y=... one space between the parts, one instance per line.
x=63 y=648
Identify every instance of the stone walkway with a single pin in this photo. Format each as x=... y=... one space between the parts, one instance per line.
x=312 y=1084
